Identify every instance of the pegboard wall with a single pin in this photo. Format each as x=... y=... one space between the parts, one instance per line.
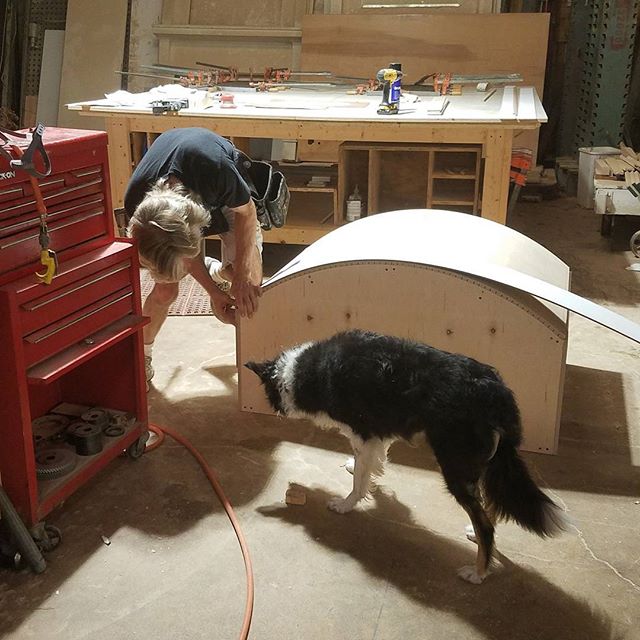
x=607 y=56
x=42 y=15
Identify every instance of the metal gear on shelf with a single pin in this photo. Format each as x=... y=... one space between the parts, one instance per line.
x=49 y=426
x=54 y=463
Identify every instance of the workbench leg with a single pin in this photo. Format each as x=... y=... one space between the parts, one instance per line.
x=497 y=166
x=343 y=172
x=120 y=161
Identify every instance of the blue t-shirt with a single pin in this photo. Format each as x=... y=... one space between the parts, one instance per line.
x=203 y=161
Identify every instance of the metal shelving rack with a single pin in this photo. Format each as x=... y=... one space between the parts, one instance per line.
x=607 y=54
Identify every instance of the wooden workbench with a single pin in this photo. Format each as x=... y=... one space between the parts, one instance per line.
x=469 y=119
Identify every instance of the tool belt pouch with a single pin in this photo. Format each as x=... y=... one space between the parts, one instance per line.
x=269 y=192
x=278 y=199
x=260 y=174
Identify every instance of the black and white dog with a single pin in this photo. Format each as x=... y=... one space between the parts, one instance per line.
x=377 y=389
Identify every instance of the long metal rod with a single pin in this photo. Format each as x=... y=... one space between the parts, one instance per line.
x=146 y=75
x=185 y=70
x=414 y=5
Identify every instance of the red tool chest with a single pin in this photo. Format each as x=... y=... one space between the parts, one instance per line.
x=76 y=342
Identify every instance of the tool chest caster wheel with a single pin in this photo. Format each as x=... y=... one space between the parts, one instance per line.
x=18 y=545
x=46 y=536
x=136 y=449
x=634 y=244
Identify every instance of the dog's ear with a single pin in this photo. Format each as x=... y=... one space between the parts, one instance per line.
x=259 y=368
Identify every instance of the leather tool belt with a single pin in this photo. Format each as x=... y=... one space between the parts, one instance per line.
x=269 y=190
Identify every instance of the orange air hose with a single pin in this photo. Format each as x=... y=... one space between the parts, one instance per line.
x=160 y=434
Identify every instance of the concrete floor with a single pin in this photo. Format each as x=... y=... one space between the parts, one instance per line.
x=386 y=571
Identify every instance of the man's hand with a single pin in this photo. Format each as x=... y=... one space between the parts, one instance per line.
x=246 y=296
x=223 y=307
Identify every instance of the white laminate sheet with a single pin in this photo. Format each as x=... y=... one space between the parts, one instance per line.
x=332 y=105
x=462 y=243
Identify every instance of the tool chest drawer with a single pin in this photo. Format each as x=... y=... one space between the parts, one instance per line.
x=86 y=223
x=76 y=326
x=87 y=294
x=54 y=305
x=77 y=196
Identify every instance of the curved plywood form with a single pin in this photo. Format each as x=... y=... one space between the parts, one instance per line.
x=448 y=239
x=455 y=281
x=463 y=243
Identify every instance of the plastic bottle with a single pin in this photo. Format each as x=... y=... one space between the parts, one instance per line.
x=354 y=206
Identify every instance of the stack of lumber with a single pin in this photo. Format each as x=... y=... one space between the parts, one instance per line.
x=623 y=168
x=628 y=162
x=632 y=180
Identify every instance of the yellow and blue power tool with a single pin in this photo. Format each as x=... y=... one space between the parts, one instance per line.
x=390 y=78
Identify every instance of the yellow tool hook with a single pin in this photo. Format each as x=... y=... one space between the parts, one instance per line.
x=49 y=259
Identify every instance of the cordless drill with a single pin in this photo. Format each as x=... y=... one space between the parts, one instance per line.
x=390 y=80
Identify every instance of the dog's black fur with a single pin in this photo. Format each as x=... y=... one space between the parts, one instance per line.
x=384 y=388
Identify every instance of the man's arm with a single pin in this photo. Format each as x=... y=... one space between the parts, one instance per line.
x=247 y=267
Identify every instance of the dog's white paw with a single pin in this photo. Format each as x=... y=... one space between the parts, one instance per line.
x=470 y=533
x=350 y=464
x=470 y=574
x=340 y=505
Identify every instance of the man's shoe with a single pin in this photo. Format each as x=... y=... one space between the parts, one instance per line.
x=148 y=368
x=214 y=266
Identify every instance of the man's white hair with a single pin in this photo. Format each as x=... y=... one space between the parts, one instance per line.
x=167 y=226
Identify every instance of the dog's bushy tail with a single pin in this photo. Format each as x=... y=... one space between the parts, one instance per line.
x=511 y=494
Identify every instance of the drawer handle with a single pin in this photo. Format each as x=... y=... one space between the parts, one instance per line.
x=76 y=187
x=61 y=192
x=6 y=192
x=50 y=215
x=88 y=172
x=84 y=316
x=89 y=214
x=43 y=303
x=48 y=183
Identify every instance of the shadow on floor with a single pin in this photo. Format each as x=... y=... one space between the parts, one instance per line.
x=594 y=453
x=162 y=494
x=513 y=603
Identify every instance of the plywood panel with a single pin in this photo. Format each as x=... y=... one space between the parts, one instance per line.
x=464 y=44
x=176 y=11
x=143 y=44
x=319 y=150
x=241 y=52
x=482 y=302
x=268 y=13
x=93 y=50
x=50 y=76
